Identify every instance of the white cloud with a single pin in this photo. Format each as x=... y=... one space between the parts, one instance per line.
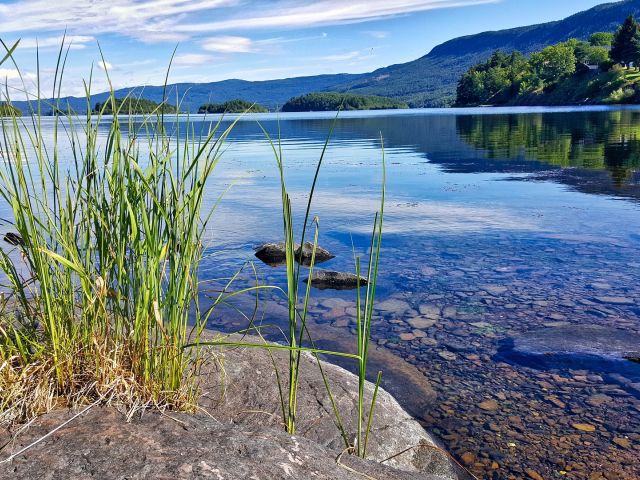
x=228 y=44
x=103 y=65
x=193 y=59
x=11 y=79
x=176 y=20
x=75 y=42
x=147 y=20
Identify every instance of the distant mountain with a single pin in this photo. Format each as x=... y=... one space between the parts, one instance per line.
x=270 y=93
x=429 y=81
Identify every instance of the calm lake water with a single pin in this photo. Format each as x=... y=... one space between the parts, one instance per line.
x=497 y=223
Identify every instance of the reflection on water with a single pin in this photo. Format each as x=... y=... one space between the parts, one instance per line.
x=592 y=140
x=497 y=223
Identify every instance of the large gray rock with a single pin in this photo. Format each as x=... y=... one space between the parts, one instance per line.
x=247 y=394
x=239 y=437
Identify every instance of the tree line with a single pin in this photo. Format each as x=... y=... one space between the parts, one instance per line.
x=330 y=101
x=232 y=106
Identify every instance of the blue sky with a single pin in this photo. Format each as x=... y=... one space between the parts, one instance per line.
x=248 y=39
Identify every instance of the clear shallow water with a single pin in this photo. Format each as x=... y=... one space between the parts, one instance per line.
x=497 y=222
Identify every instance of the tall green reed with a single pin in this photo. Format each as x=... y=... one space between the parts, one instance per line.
x=298 y=339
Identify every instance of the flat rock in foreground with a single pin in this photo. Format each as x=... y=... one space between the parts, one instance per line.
x=102 y=445
x=241 y=435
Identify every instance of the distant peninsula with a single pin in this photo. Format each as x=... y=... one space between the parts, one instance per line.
x=324 y=102
x=232 y=106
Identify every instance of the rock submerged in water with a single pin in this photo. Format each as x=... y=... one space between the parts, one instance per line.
x=326 y=279
x=576 y=345
x=275 y=254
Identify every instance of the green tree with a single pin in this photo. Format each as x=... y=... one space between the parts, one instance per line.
x=626 y=43
x=601 y=39
x=495 y=81
x=585 y=52
x=554 y=63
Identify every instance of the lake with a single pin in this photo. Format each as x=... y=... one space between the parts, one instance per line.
x=498 y=223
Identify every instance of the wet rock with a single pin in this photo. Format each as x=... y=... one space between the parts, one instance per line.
x=421 y=322
x=304 y=254
x=488 y=405
x=407 y=337
x=273 y=254
x=393 y=305
x=584 y=427
x=326 y=279
x=622 y=442
x=430 y=311
x=495 y=290
x=450 y=356
x=533 y=475
x=598 y=399
x=468 y=458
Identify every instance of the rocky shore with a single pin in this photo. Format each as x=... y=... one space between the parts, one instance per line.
x=238 y=434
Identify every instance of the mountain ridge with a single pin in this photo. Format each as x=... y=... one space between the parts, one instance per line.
x=428 y=81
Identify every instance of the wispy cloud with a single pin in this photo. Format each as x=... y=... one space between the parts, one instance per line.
x=176 y=20
x=193 y=59
x=343 y=57
x=380 y=34
x=9 y=74
x=147 y=20
x=228 y=44
x=326 y=12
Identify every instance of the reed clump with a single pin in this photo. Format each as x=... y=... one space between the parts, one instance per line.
x=102 y=262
